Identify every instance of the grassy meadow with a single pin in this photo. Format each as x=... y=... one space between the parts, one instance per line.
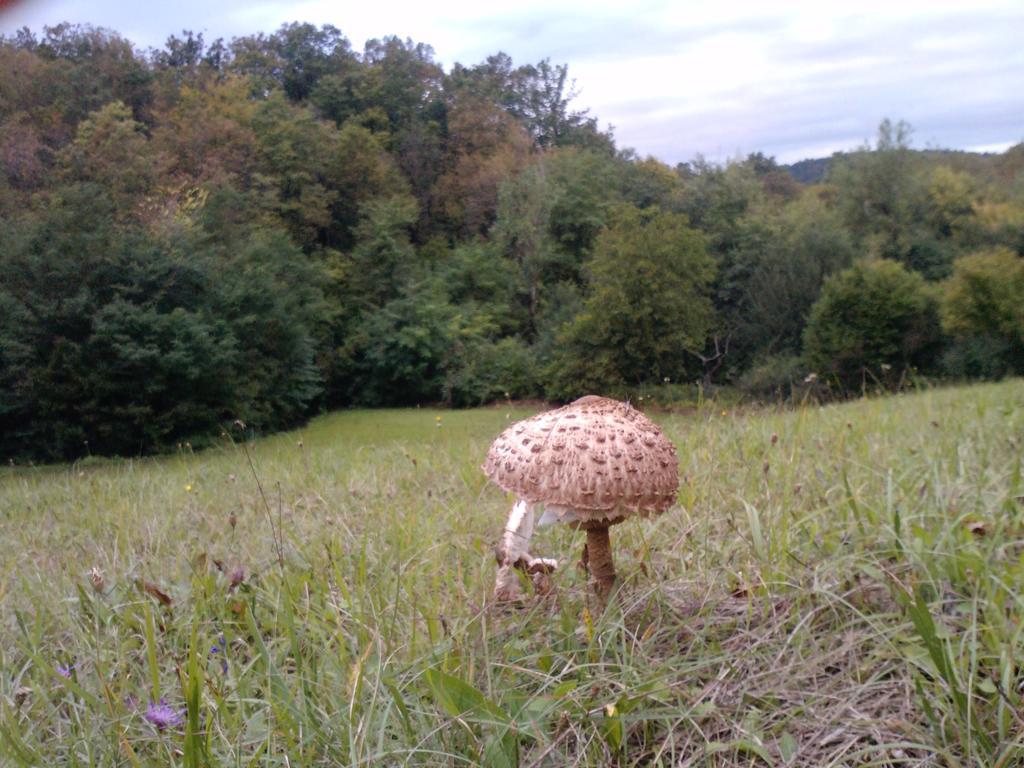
x=837 y=586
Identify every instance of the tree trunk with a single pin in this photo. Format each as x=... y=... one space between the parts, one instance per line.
x=600 y=563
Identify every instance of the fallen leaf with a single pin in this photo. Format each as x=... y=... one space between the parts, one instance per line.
x=153 y=590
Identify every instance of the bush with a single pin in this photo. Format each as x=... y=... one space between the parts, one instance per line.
x=872 y=323
x=492 y=370
x=647 y=312
x=775 y=376
x=401 y=350
x=977 y=357
x=270 y=295
x=122 y=343
x=983 y=309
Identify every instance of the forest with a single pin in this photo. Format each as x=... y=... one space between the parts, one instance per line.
x=259 y=230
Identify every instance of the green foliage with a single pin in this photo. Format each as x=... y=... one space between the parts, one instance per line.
x=715 y=199
x=977 y=357
x=83 y=69
x=114 y=349
x=127 y=344
x=900 y=209
x=873 y=322
x=315 y=177
x=383 y=258
x=401 y=349
x=1001 y=223
x=296 y=57
x=984 y=300
x=806 y=243
x=878 y=190
x=649 y=182
x=485 y=371
x=950 y=201
x=548 y=219
x=485 y=146
x=584 y=190
x=647 y=308
x=483 y=284
x=774 y=376
x=985 y=295
x=776 y=266
x=271 y=295
x=262 y=227
x=110 y=149
x=521 y=235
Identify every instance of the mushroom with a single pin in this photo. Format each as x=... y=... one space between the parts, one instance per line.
x=591 y=464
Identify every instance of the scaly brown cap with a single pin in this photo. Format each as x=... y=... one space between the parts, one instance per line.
x=598 y=456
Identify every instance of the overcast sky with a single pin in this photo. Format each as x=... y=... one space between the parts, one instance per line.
x=677 y=79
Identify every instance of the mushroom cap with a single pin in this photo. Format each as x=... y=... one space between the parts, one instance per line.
x=599 y=457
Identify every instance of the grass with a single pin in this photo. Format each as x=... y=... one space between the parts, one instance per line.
x=838 y=586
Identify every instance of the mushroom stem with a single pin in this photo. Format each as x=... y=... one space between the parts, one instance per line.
x=599 y=562
x=515 y=539
x=513 y=552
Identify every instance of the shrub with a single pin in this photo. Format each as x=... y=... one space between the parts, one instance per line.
x=647 y=311
x=983 y=309
x=977 y=357
x=401 y=350
x=121 y=342
x=774 y=376
x=492 y=370
x=871 y=324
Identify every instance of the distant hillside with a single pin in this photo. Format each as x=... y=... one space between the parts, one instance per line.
x=982 y=164
x=809 y=171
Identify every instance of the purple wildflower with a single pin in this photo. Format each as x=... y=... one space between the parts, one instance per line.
x=164 y=716
x=65 y=670
x=220 y=647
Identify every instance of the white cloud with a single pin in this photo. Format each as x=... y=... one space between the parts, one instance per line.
x=677 y=78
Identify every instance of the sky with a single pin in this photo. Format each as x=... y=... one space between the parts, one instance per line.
x=680 y=79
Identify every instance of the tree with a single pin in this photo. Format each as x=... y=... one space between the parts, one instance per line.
x=728 y=205
x=537 y=94
x=1001 y=223
x=521 y=235
x=123 y=341
x=785 y=260
x=112 y=348
x=585 y=186
x=485 y=146
x=648 y=309
x=110 y=149
x=983 y=309
x=308 y=54
x=400 y=350
x=188 y=59
x=649 y=182
x=383 y=257
x=950 y=202
x=315 y=177
x=401 y=77
x=873 y=322
x=271 y=295
x=883 y=195
x=22 y=152
x=295 y=58
x=91 y=67
x=207 y=136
